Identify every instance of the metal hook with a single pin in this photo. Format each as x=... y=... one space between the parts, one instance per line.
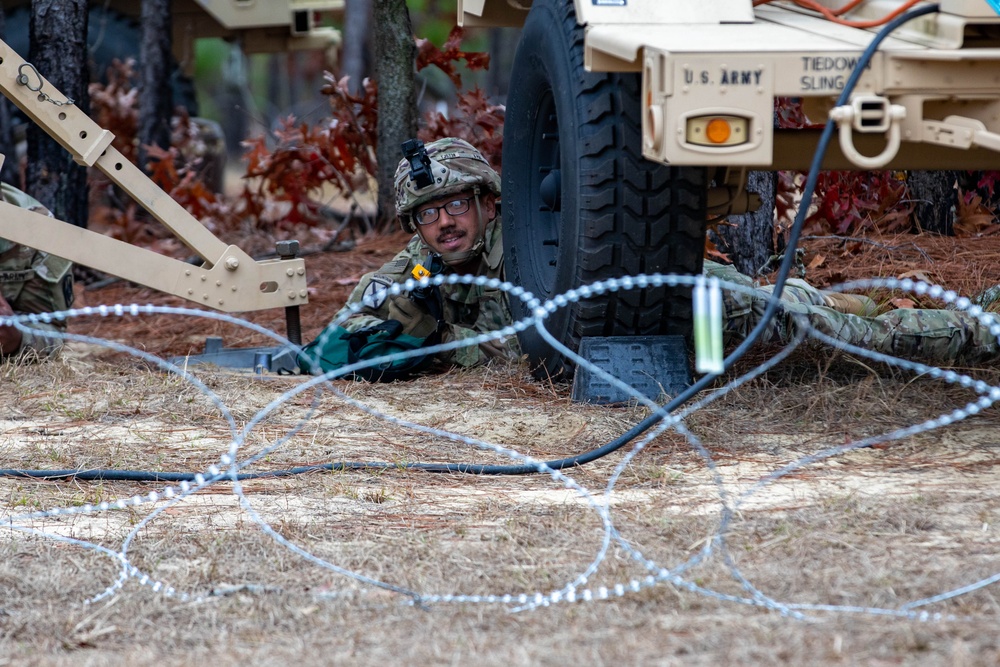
x=23 y=79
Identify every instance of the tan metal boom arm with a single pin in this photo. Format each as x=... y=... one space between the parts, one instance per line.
x=229 y=280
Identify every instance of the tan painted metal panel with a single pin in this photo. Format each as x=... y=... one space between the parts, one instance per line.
x=493 y=13
x=939 y=74
x=713 y=12
x=512 y=12
x=474 y=7
x=794 y=149
x=696 y=86
x=933 y=30
x=730 y=76
x=760 y=39
x=976 y=8
x=248 y=13
x=936 y=73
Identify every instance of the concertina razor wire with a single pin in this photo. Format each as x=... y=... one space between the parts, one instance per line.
x=599 y=501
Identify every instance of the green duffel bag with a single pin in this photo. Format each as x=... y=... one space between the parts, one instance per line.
x=337 y=347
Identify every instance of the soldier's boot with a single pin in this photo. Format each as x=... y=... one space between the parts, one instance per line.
x=852 y=304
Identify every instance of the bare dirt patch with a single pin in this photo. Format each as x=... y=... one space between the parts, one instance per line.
x=847 y=540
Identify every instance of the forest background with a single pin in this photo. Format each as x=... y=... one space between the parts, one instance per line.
x=301 y=133
x=908 y=518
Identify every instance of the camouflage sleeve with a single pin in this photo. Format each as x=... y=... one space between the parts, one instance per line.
x=372 y=294
x=742 y=311
x=932 y=335
x=50 y=290
x=494 y=314
x=371 y=286
x=937 y=336
x=474 y=355
x=372 y=290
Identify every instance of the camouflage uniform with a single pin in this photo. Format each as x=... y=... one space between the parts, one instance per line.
x=469 y=310
x=444 y=167
x=34 y=282
x=936 y=336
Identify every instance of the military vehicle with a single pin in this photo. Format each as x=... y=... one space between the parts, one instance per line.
x=270 y=26
x=629 y=123
x=113 y=32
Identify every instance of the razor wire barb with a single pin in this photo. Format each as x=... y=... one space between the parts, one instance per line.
x=598 y=501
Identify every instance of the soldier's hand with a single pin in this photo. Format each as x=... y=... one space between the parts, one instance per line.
x=416 y=321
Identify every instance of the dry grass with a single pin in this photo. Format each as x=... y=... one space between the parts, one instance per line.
x=872 y=528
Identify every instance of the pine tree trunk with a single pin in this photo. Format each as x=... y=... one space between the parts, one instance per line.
x=749 y=242
x=10 y=172
x=395 y=55
x=935 y=198
x=58 y=32
x=156 y=98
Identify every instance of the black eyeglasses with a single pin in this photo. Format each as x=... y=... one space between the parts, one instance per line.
x=430 y=215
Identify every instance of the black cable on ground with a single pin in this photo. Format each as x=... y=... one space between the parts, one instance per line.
x=594 y=454
x=152 y=476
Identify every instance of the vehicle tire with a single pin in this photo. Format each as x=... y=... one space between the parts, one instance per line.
x=579 y=201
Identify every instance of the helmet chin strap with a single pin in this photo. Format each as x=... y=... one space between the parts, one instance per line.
x=454 y=259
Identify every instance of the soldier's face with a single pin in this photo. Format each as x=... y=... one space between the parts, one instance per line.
x=455 y=232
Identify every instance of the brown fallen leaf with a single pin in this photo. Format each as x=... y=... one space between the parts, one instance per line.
x=972 y=217
x=816 y=262
x=915 y=274
x=896 y=221
x=853 y=249
x=713 y=252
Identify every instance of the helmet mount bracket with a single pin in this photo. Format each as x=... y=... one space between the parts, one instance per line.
x=420 y=163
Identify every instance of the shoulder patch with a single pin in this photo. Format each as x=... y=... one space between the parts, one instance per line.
x=52 y=268
x=376 y=291
x=67 y=289
x=397 y=265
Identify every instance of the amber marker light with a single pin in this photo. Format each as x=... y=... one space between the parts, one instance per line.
x=718 y=131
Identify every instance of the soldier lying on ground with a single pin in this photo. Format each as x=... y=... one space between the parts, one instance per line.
x=31 y=282
x=938 y=336
x=458 y=230
x=456 y=226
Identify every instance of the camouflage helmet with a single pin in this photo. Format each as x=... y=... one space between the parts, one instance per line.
x=455 y=166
